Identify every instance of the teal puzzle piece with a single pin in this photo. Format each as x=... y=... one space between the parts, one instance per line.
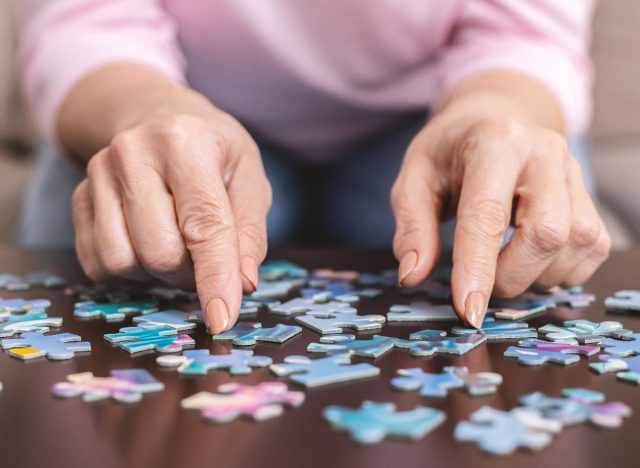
x=337 y=344
x=113 y=312
x=199 y=362
x=438 y=385
x=161 y=339
x=372 y=422
x=247 y=333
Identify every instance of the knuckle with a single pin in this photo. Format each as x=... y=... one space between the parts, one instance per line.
x=122 y=145
x=508 y=288
x=486 y=218
x=162 y=261
x=585 y=233
x=547 y=236
x=602 y=248
x=497 y=128
x=118 y=262
x=208 y=221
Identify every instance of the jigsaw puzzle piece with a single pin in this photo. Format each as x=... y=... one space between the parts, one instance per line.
x=160 y=339
x=247 y=334
x=626 y=368
x=577 y=406
x=175 y=319
x=623 y=300
x=499 y=329
x=199 y=362
x=28 y=322
x=335 y=322
x=372 y=422
x=325 y=371
x=300 y=305
x=501 y=433
x=21 y=305
x=172 y=294
x=521 y=312
x=429 y=342
x=44 y=279
x=431 y=288
x=337 y=344
x=57 y=347
x=113 y=312
x=388 y=278
x=421 y=312
x=539 y=352
x=340 y=291
x=124 y=386
x=280 y=269
x=12 y=282
x=582 y=331
x=259 y=402
x=574 y=297
x=438 y=385
x=627 y=344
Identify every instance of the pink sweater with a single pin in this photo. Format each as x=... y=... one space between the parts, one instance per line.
x=313 y=76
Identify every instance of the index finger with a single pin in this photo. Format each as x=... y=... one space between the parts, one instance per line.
x=207 y=226
x=484 y=210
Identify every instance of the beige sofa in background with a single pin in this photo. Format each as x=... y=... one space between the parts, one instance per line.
x=615 y=136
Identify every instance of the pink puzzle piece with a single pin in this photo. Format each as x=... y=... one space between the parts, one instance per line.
x=260 y=402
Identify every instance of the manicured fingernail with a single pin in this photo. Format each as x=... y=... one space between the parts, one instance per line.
x=475 y=308
x=249 y=270
x=408 y=263
x=219 y=313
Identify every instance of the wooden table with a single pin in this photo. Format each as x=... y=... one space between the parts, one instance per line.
x=38 y=430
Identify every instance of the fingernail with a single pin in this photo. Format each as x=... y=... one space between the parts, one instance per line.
x=408 y=263
x=475 y=308
x=249 y=270
x=220 y=314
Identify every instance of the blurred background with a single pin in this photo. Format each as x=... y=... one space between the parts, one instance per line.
x=614 y=137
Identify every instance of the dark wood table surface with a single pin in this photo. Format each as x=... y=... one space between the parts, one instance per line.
x=38 y=430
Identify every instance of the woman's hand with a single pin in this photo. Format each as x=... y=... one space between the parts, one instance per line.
x=490 y=171
x=181 y=198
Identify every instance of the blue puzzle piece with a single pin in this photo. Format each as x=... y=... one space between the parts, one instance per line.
x=199 y=362
x=300 y=305
x=175 y=319
x=113 y=312
x=544 y=351
x=577 y=406
x=161 y=339
x=276 y=289
x=574 y=297
x=499 y=329
x=627 y=345
x=421 y=311
x=336 y=322
x=173 y=294
x=429 y=342
x=341 y=291
x=438 y=385
x=623 y=300
x=386 y=278
x=582 y=331
x=337 y=344
x=500 y=433
x=29 y=322
x=251 y=305
x=626 y=368
x=246 y=333
x=44 y=279
x=332 y=369
x=279 y=269
x=372 y=422
x=431 y=288
x=33 y=345
x=22 y=305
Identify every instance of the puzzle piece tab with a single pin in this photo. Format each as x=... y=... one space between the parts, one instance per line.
x=539 y=352
x=29 y=322
x=499 y=329
x=337 y=344
x=421 y=312
x=623 y=300
x=247 y=334
x=57 y=347
x=582 y=331
x=429 y=342
x=113 y=312
x=199 y=362
x=124 y=386
x=160 y=339
x=438 y=385
x=578 y=406
x=335 y=322
x=500 y=433
x=372 y=422
x=259 y=402
x=314 y=373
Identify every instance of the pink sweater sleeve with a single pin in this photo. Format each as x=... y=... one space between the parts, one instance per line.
x=545 y=39
x=64 y=40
